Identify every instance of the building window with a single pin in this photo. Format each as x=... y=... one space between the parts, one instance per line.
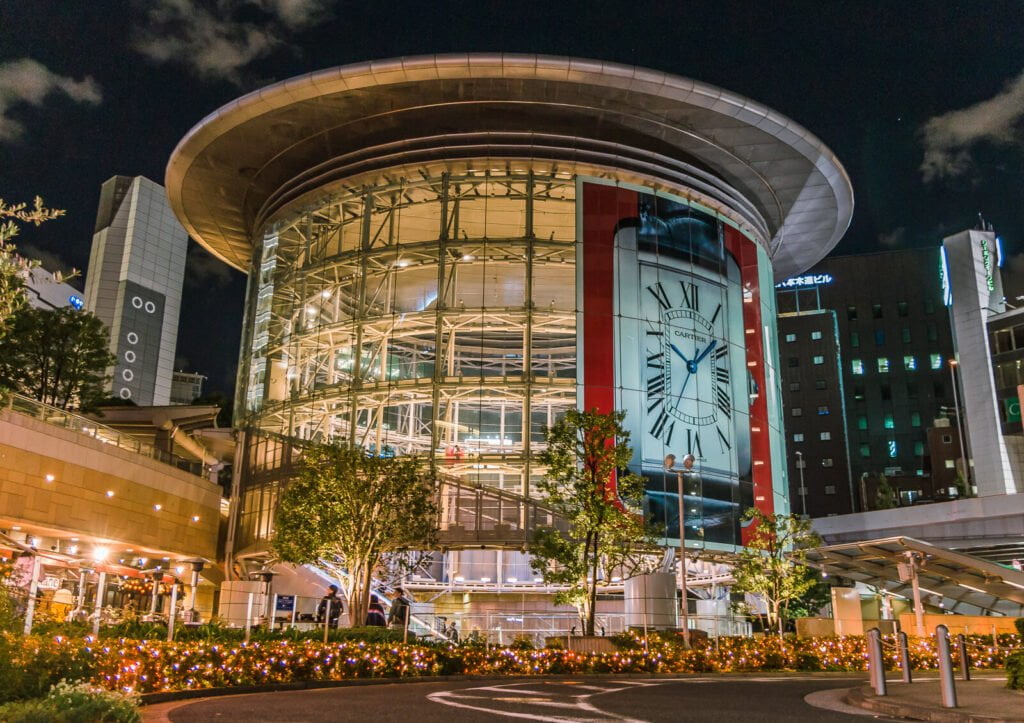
x=887 y=421
x=883 y=365
x=790 y=338
x=950 y=464
x=865 y=450
x=892 y=449
x=794 y=361
x=876 y=311
x=886 y=393
x=935 y=361
x=910 y=363
x=918 y=449
x=797 y=412
x=947 y=439
x=825 y=436
x=794 y=386
x=862 y=422
x=906 y=335
x=858 y=392
x=933 y=333
x=911 y=391
x=901 y=308
x=830 y=489
x=915 y=419
x=857 y=366
x=818 y=359
x=826 y=462
x=823 y=410
x=820 y=384
x=939 y=389
x=851 y=313
x=854 y=339
x=797 y=437
x=815 y=336
x=879 y=337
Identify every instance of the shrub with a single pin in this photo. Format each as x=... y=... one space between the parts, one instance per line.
x=73 y=703
x=1015 y=670
x=1019 y=624
x=522 y=642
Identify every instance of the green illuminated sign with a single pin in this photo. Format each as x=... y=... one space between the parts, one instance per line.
x=1012 y=407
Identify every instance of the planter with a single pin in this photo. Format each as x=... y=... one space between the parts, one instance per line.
x=582 y=643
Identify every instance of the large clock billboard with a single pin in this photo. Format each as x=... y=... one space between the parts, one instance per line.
x=673 y=334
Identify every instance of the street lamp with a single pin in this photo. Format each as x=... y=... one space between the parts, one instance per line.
x=688 y=460
x=803 y=489
x=953 y=364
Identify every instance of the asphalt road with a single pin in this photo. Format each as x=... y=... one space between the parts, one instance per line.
x=564 y=700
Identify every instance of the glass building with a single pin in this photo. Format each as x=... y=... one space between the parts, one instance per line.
x=446 y=253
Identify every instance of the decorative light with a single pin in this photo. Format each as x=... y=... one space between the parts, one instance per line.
x=50 y=478
x=158 y=507
x=73 y=550
x=99 y=554
x=110 y=493
x=326 y=293
x=195 y=518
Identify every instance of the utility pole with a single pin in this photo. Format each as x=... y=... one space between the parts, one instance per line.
x=684 y=610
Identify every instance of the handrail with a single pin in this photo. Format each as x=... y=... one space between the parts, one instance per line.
x=65 y=419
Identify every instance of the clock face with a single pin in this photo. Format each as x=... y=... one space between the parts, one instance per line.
x=688 y=371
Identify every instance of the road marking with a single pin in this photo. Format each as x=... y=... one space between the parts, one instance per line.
x=520 y=695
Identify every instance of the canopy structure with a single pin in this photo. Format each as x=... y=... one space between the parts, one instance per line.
x=958 y=579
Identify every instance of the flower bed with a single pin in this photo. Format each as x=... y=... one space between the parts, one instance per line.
x=135 y=666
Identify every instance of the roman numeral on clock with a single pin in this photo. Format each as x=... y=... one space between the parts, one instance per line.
x=723 y=440
x=691 y=298
x=655 y=361
x=658 y=292
x=693 y=443
x=723 y=400
x=656 y=385
x=662 y=427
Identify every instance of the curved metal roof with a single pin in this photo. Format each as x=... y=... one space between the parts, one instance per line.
x=250 y=159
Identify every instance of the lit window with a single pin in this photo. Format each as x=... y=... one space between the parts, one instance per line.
x=826 y=462
x=883 y=365
x=865 y=450
x=797 y=412
x=790 y=338
x=935 y=360
x=798 y=437
x=822 y=410
x=820 y=384
x=815 y=335
x=910 y=363
x=825 y=436
x=854 y=339
x=887 y=422
x=857 y=366
x=915 y=419
x=830 y=489
x=879 y=337
x=819 y=359
x=950 y=464
x=892 y=448
x=918 y=449
x=906 y=335
x=862 y=422
x=794 y=386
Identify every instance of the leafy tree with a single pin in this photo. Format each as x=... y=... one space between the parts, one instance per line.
x=12 y=266
x=59 y=356
x=356 y=516
x=885 y=496
x=772 y=565
x=586 y=454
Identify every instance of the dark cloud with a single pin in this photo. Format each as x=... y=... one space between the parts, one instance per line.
x=28 y=82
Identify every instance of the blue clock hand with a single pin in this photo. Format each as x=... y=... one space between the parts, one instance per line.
x=681 y=355
x=706 y=351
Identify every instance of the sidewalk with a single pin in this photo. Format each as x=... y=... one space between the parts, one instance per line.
x=982 y=699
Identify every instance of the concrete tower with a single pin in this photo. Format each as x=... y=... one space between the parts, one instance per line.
x=136 y=270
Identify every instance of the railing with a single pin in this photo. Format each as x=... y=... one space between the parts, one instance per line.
x=64 y=419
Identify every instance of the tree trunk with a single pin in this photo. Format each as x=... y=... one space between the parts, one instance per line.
x=592 y=592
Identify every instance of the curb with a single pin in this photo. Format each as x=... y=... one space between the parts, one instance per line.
x=865 y=698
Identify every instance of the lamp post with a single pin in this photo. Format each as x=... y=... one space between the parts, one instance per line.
x=688 y=461
x=953 y=364
x=803 y=489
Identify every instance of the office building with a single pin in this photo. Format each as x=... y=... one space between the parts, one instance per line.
x=133 y=284
x=47 y=290
x=186 y=387
x=443 y=260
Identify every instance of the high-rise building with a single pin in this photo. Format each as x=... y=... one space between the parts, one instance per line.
x=186 y=387
x=136 y=270
x=895 y=343
x=47 y=290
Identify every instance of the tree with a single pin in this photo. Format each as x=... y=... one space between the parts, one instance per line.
x=12 y=266
x=58 y=356
x=772 y=564
x=356 y=515
x=885 y=496
x=585 y=458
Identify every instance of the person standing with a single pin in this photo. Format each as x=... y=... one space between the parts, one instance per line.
x=329 y=608
x=375 y=615
x=401 y=607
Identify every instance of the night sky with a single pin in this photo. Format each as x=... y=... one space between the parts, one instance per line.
x=923 y=102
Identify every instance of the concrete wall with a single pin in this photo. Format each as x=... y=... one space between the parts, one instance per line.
x=76 y=503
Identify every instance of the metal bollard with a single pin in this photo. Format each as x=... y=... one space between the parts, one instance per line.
x=946 y=668
x=965 y=658
x=905 y=658
x=876 y=661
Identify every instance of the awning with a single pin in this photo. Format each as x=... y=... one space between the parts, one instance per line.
x=957 y=578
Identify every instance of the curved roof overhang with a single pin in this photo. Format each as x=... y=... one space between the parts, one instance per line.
x=253 y=158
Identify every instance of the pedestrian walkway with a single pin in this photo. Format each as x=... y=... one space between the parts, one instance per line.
x=982 y=699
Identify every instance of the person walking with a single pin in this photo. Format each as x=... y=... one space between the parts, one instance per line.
x=375 y=617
